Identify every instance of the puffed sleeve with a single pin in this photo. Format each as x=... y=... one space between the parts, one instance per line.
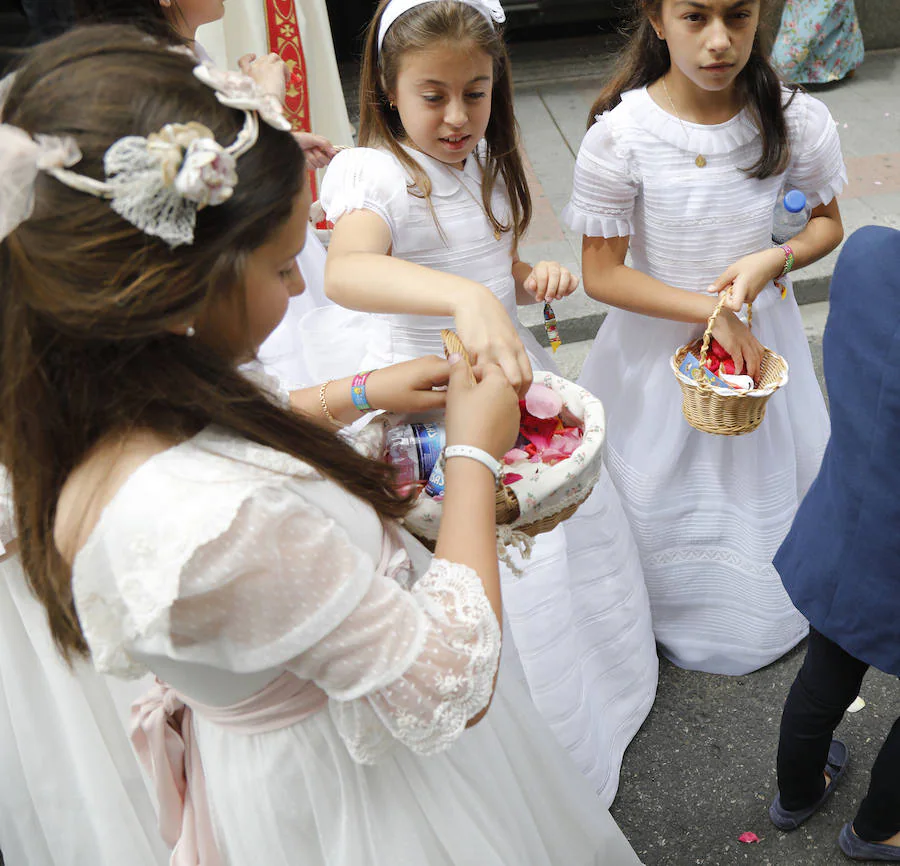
x=817 y=165
x=604 y=188
x=285 y=586
x=361 y=178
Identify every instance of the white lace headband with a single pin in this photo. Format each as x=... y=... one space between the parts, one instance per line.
x=157 y=183
x=491 y=9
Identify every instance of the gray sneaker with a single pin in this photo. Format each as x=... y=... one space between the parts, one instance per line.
x=858 y=849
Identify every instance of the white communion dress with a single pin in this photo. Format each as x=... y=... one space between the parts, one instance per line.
x=72 y=792
x=226 y=567
x=579 y=616
x=708 y=512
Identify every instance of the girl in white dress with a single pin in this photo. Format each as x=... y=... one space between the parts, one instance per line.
x=427 y=221
x=692 y=144
x=321 y=669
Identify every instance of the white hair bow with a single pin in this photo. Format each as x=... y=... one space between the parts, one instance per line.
x=21 y=158
x=490 y=9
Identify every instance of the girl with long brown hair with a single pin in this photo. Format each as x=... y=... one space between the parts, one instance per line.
x=691 y=147
x=429 y=211
x=428 y=216
x=173 y=516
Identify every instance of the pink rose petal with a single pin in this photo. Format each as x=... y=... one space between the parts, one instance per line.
x=748 y=837
x=515 y=455
x=510 y=477
x=541 y=402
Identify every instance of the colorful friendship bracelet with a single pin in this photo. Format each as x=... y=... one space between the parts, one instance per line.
x=788 y=260
x=788 y=267
x=358 y=392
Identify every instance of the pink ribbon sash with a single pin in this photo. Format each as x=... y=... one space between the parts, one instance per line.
x=163 y=737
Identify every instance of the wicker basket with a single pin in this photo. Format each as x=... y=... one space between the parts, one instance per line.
x=539 y=503
x=726 y=413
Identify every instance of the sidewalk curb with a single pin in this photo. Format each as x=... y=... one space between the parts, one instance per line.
x=575 y=330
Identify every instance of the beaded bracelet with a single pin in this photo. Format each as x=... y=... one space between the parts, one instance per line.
x=358 y=392
x=324 y=404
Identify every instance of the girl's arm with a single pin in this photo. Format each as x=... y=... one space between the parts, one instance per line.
x=748 y=276
x=401 y=388
x=360 y=274
x=608 y=279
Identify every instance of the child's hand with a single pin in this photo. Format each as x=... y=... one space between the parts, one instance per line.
x=748 y=276
x=271 y=73
x=408 y=387
x=490 y=337
x=485 y=414
x=319 y=151
x=549 y=281
x=739 y=342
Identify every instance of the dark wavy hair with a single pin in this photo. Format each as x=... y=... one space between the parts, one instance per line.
x=646 y=58
x=87 y=301
x=453 y=23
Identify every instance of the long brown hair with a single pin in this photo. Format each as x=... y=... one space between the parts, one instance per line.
x=453 y=23
x=646 y=59
x=87 y=300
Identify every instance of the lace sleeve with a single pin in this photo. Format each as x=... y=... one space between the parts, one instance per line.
x=287 y=585
x=604 y=188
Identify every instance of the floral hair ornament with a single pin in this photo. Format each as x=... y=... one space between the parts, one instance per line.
x=490 y=9
x=157 y=183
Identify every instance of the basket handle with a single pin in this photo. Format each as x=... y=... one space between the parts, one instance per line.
x=452 y=344
x=707 y=334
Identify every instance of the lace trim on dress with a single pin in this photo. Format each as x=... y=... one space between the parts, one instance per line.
x=113 y=616
x=708 y=139
x=460 y=617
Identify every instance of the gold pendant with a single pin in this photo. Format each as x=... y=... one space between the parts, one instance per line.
x=700 y=161
x=496 y=235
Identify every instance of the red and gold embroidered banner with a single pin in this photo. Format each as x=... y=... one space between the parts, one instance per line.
x=284 y=40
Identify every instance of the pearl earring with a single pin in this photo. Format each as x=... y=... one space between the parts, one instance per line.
x=189 y=331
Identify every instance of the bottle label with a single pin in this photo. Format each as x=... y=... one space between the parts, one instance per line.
x=435 y=485
x=429 y=439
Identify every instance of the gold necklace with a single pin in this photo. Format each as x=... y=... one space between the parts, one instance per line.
x=700 y=161
x=461 y=182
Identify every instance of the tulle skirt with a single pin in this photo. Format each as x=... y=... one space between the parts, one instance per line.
x=72 y=792
x=709 y=512
x=503 y=794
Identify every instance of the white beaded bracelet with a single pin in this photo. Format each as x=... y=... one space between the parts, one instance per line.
x=474 y=454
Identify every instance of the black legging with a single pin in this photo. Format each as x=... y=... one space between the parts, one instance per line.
x=826 y=685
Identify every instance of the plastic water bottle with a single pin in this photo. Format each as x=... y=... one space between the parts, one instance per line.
x=790 y=218
x=414 y=450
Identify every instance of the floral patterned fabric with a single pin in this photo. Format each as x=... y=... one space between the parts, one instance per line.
x=818 y=41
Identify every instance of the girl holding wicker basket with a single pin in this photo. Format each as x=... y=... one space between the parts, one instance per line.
x=688 y=150
x=427 y=218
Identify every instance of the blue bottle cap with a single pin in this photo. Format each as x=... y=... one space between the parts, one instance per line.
x=794 y=201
